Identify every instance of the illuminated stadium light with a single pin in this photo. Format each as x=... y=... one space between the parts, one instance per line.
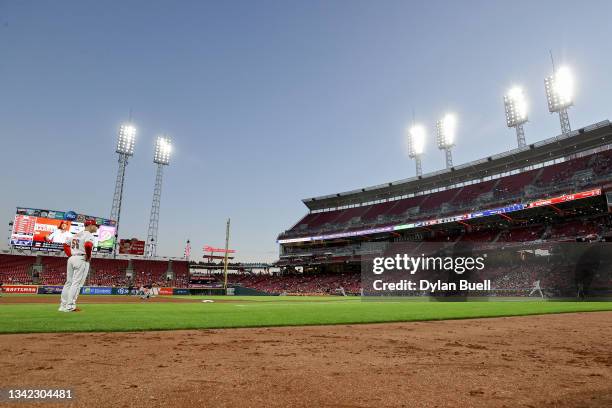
x=416 y=146
x=446 y=129
x=515 y=105
x=416 y=140
x=163 y=149
x=560 y=95
x=126 y=141
x=560 y=90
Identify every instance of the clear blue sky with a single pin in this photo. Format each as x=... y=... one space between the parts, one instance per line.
x=269 y=102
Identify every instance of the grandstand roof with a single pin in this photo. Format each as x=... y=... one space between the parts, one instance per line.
x=577 y=141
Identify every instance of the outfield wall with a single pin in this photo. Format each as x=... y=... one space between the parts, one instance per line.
x=88 y=290
x=107 y=290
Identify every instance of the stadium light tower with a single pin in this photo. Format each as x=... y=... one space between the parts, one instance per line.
x=515 y=105
x=416 y=146
x=446 y=128
x=560 y=95
x=163 y=149
x=125 y=149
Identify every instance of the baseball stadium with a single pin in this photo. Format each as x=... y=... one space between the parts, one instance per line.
x=487 y=283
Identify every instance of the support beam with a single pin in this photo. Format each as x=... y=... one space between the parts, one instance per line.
x=154 y=217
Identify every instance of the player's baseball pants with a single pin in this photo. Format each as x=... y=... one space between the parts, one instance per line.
x=76 y=274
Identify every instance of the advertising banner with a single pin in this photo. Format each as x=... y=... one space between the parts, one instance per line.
x=180 y=291
x=50 y=290
x=26 y=289
x=165 y=291
x=124 y=291
x=95 y=290
x=131 y=246
x=565 y=198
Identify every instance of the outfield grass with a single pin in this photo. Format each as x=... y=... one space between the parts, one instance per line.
x=261 y=311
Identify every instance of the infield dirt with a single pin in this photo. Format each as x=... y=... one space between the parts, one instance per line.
x=538 y=361
x=560 y=360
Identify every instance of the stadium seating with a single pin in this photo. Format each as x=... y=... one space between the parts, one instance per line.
x=480 y=236
x=147 y=272
x=470 y=193
x=15 y=269
x=104 y=271
x=54 y=270
x=563 y=171
x=349 y=214
x=601 y=163
x=513 y=185
x=301 y=284
x=401 y=206
x=435 y=200
x=324 y=218
x=108 y=272
x=575 y=229
x=487 y=194
x=373 y=212
x=522 y=234
x=181 y=274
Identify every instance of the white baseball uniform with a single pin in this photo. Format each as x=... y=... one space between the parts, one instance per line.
x=536 y=288
x=77 y=270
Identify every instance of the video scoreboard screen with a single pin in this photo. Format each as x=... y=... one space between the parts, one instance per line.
x=48 y=230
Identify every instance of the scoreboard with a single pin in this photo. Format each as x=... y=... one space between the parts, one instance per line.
x=48 y=230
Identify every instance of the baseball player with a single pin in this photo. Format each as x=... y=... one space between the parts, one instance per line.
x=79 y=249
x=536 y=288
x=147 y=292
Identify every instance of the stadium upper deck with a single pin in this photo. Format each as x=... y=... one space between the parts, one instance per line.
x=531 y=156
x=563 y=164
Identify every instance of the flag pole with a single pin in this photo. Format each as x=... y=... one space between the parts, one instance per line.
x=188 y=250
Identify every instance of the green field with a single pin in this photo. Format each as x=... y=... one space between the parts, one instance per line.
x=262 y=311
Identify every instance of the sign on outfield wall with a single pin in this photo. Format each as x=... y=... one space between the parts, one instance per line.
x=124 y=291
x=50 y=290
x=27 y=289
x=165 y=291
x=95 y=290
